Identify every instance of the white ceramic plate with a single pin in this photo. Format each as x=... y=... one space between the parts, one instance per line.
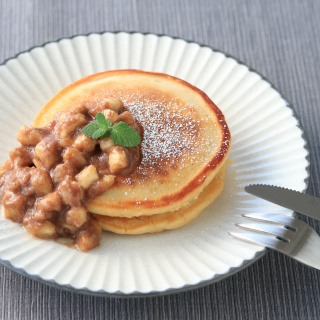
x=268 y=147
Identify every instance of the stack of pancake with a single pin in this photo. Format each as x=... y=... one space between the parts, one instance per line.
x=184 y=147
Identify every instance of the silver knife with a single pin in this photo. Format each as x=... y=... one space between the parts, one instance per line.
x=300 y=202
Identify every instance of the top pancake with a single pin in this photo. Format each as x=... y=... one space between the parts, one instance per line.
x=185 y=139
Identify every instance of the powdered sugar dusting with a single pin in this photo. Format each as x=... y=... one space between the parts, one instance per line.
x=167 y=134
x=171 y=133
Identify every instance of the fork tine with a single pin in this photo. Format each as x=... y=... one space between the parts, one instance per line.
x=261 y=239
x=270 y=229
x=291 y=222
x=285 y=234
x=271 y=217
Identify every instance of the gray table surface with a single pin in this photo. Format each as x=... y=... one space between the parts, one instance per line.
x=280 y=39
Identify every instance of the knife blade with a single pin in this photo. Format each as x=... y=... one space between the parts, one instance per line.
x=294 y=200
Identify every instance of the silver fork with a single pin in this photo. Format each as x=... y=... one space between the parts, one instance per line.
x=287 y=235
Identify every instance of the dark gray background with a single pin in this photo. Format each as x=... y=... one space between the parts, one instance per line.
x=280 y=39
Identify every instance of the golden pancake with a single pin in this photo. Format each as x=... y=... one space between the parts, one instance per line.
x=168 y=220
x=185 y=140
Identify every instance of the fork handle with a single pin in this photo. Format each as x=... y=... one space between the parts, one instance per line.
x=308 y=251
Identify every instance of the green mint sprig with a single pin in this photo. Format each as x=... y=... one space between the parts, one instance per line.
x=121 y=133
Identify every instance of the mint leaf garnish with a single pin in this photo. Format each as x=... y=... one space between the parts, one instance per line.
x=106 y=134
x=121 y=133
x=103 y=121
x=90 y=129
x=99 y=129
x=124 y=135
x=99 y=133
